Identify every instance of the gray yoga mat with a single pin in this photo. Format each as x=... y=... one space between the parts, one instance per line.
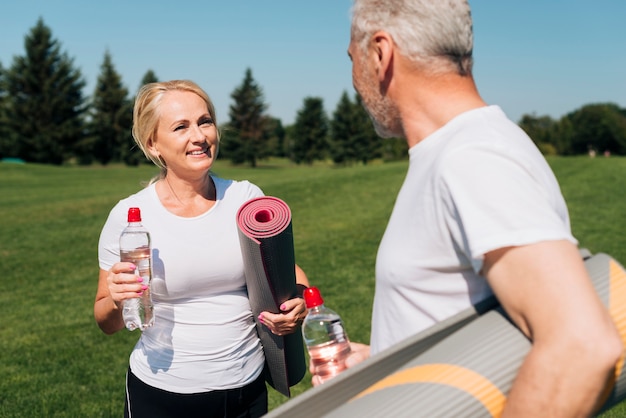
x=266 y=239
x=463 y=366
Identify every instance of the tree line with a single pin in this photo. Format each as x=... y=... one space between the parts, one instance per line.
x=46 y=118
x=594 y=128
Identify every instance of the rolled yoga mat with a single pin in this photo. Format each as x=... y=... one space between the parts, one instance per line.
x=266 y=239
x=461 y=367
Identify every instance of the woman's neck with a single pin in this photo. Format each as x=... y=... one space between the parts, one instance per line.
x=186 y=198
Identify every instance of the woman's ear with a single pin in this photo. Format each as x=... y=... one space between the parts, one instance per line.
x=152 y=148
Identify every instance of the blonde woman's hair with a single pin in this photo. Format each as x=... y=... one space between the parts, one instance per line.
x=146 y=114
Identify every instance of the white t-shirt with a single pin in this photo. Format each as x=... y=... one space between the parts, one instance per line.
x=475 y=185
x=204 y=336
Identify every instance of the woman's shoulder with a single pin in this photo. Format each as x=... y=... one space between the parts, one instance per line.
x=242 y=188
x=143 y=198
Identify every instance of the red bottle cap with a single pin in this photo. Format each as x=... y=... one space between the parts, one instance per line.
x=312 y=297
x=134 y=215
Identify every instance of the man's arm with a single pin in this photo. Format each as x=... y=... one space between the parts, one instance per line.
x=546 y=291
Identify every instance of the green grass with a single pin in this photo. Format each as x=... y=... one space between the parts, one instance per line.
x=55 y=362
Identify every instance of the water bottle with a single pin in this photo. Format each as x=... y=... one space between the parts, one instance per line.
x=324 y=336
x=135 y=248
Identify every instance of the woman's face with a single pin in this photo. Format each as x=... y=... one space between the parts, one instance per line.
x=186 y=136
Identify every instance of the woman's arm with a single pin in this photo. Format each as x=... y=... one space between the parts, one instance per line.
x=302 y=282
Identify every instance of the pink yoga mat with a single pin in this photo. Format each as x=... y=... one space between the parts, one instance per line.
x=266 y=239
x=264 y=217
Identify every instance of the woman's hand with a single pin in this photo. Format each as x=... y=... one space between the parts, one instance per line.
x=114 y=286
x=292 y=313
x=123 y=283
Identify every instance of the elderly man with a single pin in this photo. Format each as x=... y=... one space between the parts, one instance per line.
x=480 y=211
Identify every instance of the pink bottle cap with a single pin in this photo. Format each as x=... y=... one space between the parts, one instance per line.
x=312 y=297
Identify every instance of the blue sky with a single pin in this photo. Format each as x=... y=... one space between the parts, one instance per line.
x=542 y=57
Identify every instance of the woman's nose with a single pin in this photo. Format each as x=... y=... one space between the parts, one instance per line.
x=197 y=133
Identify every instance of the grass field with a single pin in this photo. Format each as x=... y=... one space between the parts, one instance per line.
x=55 y=362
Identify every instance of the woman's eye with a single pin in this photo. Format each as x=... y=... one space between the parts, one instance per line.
x=179 y=127
x=207 y=121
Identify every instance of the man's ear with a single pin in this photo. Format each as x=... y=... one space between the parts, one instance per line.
x=384 y=49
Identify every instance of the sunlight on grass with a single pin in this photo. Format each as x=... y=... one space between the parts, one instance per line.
x=55 y=360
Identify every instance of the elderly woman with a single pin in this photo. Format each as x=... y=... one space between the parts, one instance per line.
x=203 y=356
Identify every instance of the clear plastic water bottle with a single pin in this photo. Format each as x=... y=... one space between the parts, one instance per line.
x=325 y=337
x=135 y=248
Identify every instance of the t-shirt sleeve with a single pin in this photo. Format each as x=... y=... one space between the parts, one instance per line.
x=108 y=244
x=494 y=200
x=254 y=190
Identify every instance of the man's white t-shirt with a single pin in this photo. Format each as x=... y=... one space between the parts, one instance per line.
x=204 y=337
x=477 y=184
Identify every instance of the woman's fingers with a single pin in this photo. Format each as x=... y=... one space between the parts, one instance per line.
x=288 y=321
x=123 y=283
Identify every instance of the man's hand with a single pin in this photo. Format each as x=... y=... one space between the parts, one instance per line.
x=358 y=353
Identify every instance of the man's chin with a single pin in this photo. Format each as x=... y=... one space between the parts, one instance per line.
x=385 y=132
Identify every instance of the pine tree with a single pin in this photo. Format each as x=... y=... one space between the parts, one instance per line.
x=7 y=146
x=394 y=149
x=148 y=77
x=275 y=133
x=310 y=132
x=45 y=106
x=366 y=143
x=111 y=118
x=354 y=138
x=246 y=138
x=343 y=129
x=135 y=155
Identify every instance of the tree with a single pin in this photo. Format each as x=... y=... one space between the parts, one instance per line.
x=135 y=154
x=7 y=146
x=562 y=136
x=148 y=77
x=310 y=132
x=541 y=130
x=245 y=140
x=354 y=138
x=111 y=118
x=275 y=133
x=367 y=143
x=394 y=149
x=601 y=127
x=45 y=106
x=342 y=129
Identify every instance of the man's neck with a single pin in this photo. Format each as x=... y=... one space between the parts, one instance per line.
x=428 y=102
